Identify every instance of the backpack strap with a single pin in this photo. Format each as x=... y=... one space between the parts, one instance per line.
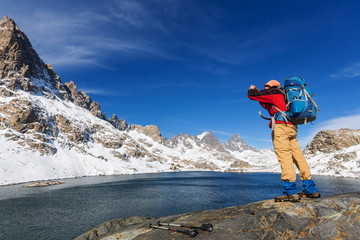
x=308 y=95
x=276 y=117
x=281 y=89
x=281 y=114
x=263 y=116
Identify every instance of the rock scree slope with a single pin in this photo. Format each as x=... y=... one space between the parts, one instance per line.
x=330 y=217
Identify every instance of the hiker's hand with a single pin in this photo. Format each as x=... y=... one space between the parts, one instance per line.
x=252 y=87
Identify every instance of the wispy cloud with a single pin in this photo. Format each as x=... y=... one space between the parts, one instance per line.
x=259 y=42
x=80 y=36
x=105 y=92
x=129 y=12
x=218 y=132
x=352 y=121
x=264 y=140
x=70 y=55
x=160 y=28
x=350 y=71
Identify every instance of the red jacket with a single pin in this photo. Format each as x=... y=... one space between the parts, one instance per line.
x=267 y=98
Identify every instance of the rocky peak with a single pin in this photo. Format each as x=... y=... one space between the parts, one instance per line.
x=328 y=141
x=119 y=124
x=8 y=24
x=188 y=141
x=80 y=98
x=17 y=54
x=236 y=143
x=209 y=140
x=20 y=65
x=151 y=131
x=21 y=68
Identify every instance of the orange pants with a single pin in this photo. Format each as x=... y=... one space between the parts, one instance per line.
x=289 y=153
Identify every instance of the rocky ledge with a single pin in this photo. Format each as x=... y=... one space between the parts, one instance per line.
x=330 y=217
x=43 y=183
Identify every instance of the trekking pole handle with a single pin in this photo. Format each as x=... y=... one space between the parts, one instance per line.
x=207 y=227
x=191 y=233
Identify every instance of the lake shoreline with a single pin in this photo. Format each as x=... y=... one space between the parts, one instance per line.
x=135 y=174
x=308 y=219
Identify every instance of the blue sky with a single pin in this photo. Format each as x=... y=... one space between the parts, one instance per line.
x=186 y=65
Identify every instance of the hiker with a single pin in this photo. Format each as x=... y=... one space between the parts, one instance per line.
x=287 y=149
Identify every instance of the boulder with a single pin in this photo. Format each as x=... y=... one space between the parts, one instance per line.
x=328 y=141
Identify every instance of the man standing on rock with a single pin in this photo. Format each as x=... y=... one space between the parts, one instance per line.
x=287 y=149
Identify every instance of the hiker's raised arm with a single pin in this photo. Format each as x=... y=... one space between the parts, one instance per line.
x=252 y=87
x=261 y=96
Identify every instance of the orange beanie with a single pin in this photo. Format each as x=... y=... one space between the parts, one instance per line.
x=272 y=83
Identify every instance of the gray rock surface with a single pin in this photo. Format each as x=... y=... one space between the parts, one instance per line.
x=182 y=139
x=211 y=142
x=45 y=183
x=328 y=141
x=119 y=124
x=236 y=143
x=150 y=131
x=330 y=217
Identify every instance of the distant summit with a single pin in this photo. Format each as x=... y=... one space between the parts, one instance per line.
x=236 y=143
x=209 y=140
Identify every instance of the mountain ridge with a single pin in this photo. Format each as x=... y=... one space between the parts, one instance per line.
x=52 y=130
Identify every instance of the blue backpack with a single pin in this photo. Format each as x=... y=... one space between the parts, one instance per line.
x=301 y=108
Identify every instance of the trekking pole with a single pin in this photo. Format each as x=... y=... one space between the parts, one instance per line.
x=205 y=227
x=191 y=233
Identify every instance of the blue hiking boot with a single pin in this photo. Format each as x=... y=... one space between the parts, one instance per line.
x=309 y=190
x=289 y=193
x=288 y=198
x=313 y=195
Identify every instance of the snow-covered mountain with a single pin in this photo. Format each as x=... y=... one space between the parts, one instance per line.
x=335 y=153
x=51 y=130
